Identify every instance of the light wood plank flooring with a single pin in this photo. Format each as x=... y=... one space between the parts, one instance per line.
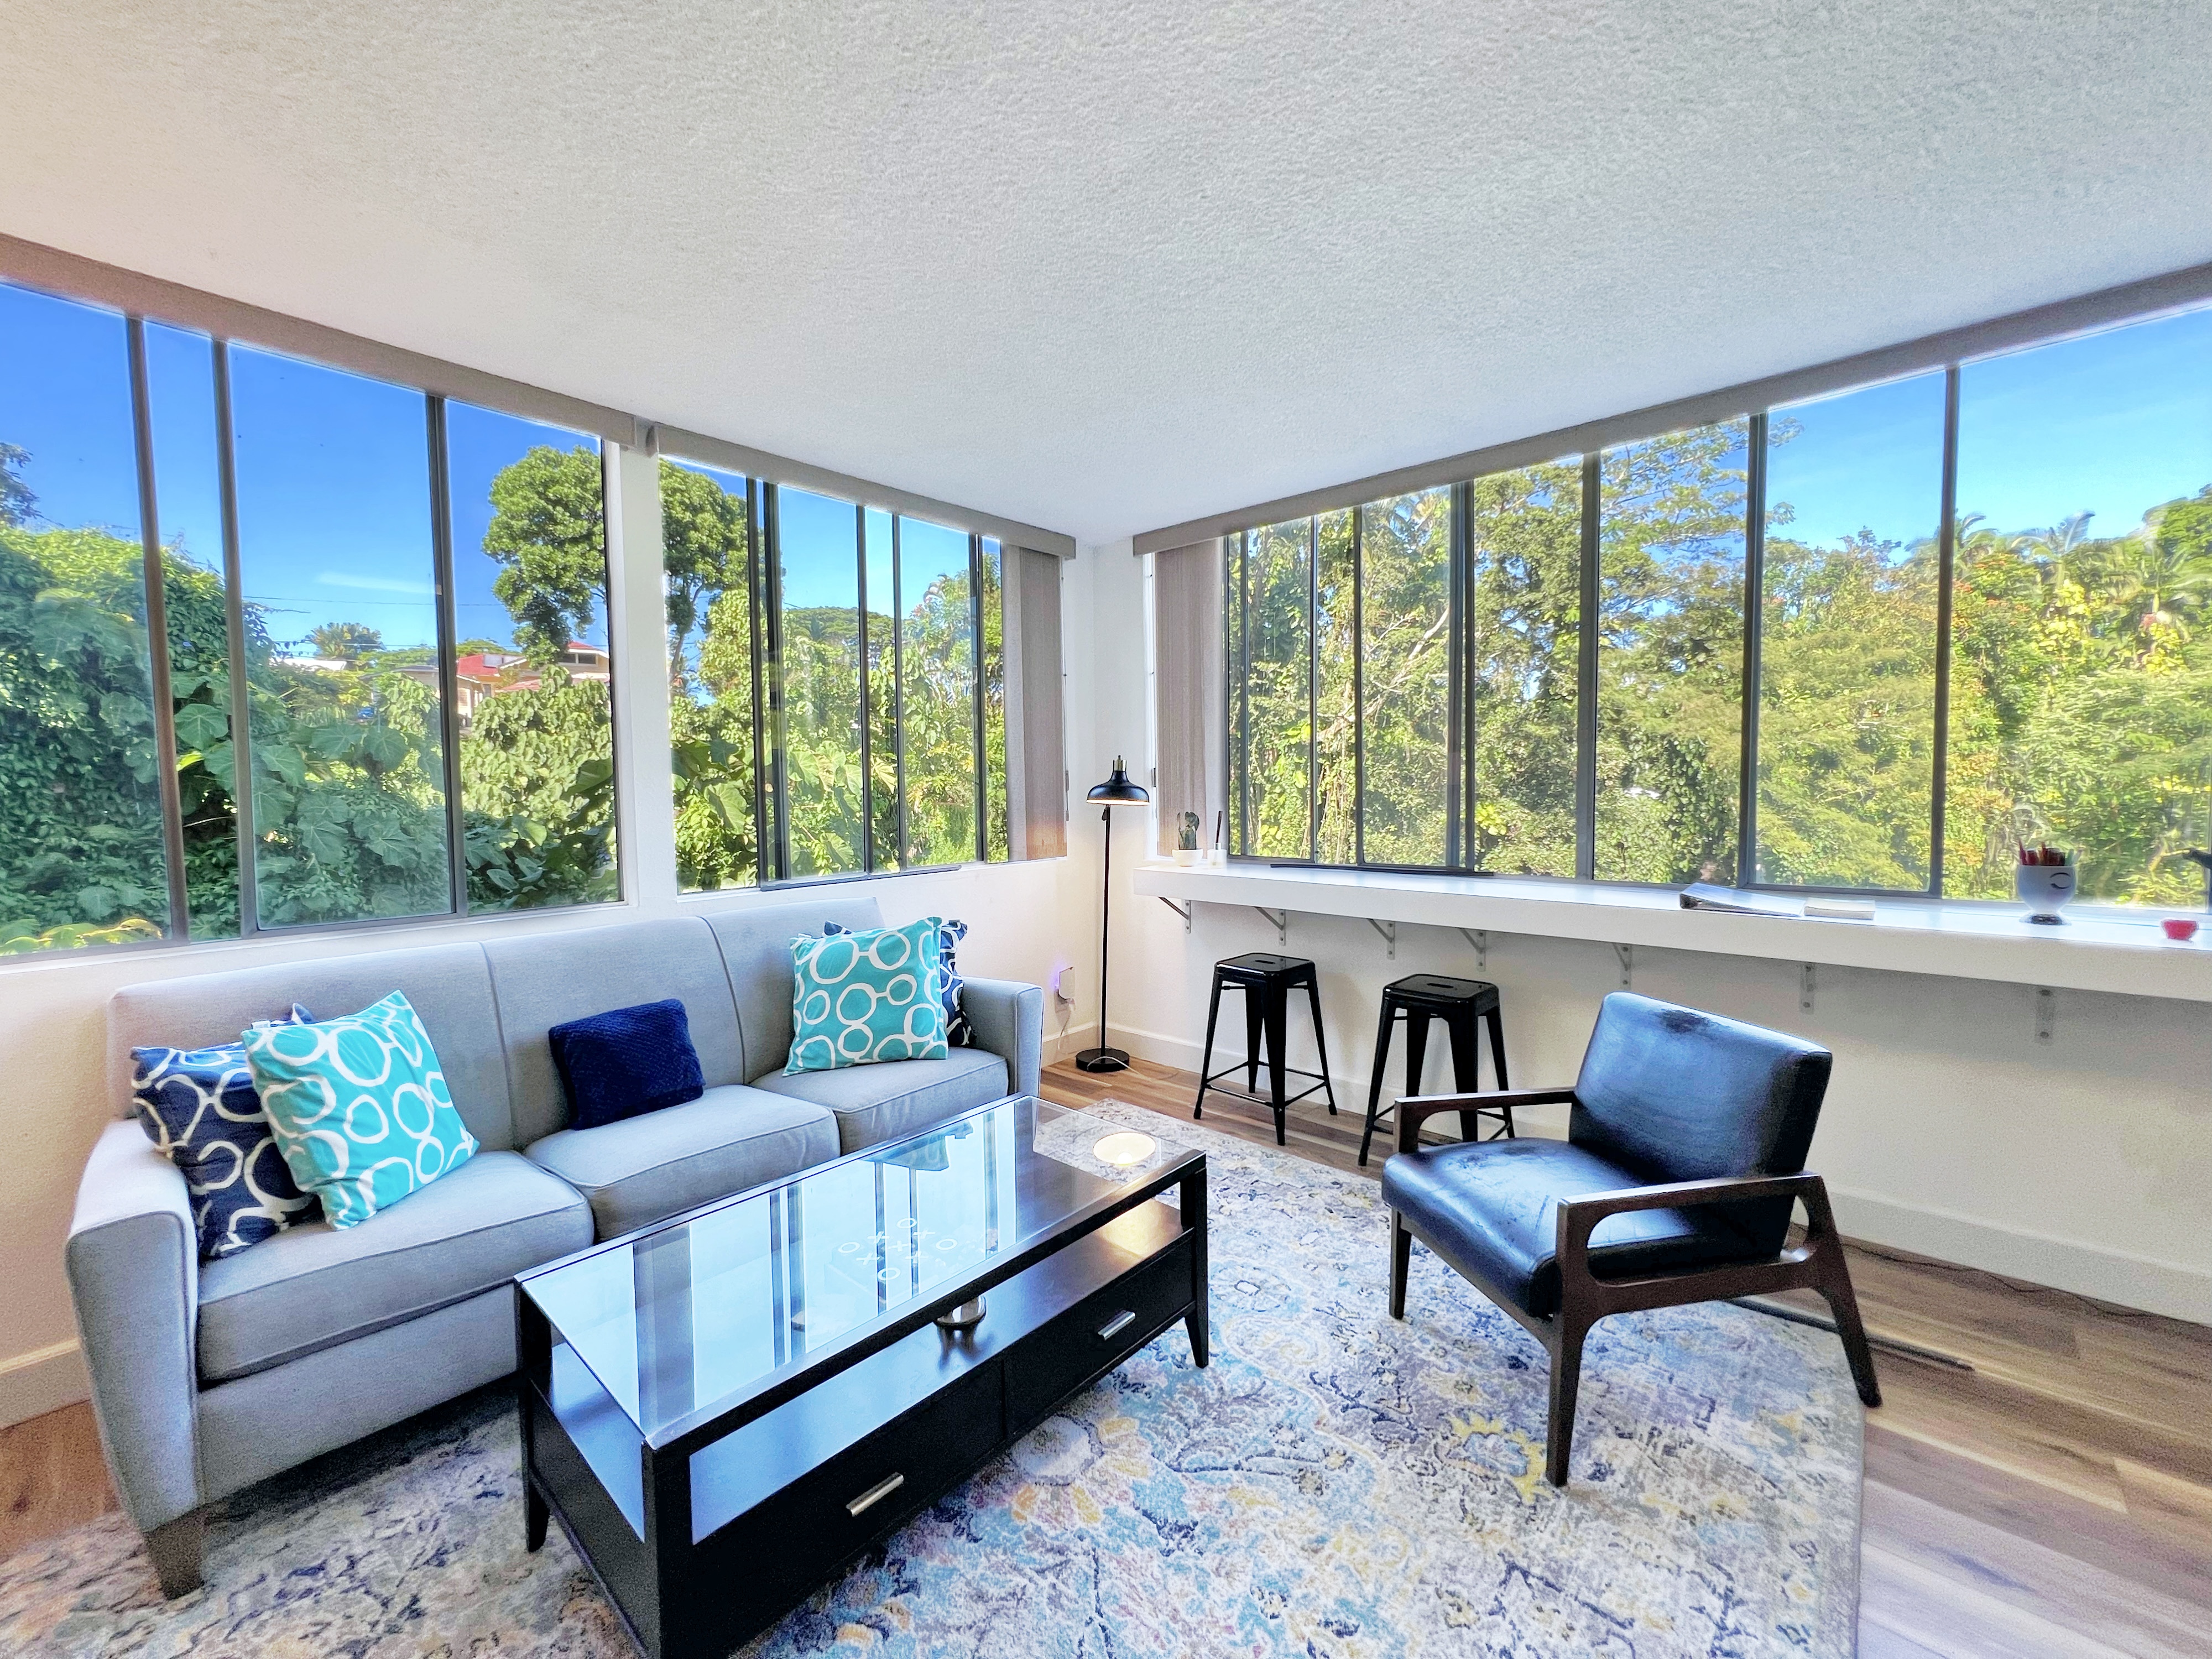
x=2056 y=1499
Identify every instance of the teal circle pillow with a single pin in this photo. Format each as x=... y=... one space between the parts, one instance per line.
x=861 y=999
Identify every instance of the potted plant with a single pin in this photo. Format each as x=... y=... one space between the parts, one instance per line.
x=1186 y=850
x=2044 y=880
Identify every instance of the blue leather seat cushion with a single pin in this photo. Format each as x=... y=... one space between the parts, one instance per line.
x=1491 y=1209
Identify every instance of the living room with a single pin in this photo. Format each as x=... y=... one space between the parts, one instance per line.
x=1676 y=542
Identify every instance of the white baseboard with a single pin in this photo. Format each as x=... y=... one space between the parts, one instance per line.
x=2171 y=1288
x=44 y=1380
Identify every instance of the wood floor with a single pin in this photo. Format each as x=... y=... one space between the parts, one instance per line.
x=2056 y=1498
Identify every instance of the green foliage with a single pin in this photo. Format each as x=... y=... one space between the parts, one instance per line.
x=548 y=533
x=347 y=641
x=537 y=776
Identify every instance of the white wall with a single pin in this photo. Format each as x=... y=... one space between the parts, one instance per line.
x=2084 y=1163
x=1025 y=920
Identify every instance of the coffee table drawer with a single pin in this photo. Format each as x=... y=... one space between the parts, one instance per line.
x=1096 y=1335
x=833 y=1511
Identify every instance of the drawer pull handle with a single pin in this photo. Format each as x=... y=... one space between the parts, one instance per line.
x=1114 y=1327
x=875 y=1494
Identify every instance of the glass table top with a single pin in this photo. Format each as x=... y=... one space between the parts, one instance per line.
x=701 y=1313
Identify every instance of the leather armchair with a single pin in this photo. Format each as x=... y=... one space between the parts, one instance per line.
x=1683 y=1164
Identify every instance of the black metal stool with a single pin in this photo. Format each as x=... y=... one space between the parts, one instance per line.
x=1267 y=981
x=1419 y=998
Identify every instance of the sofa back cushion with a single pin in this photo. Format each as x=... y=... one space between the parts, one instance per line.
x=449 y=985
x=544 y=980
x=755 y=945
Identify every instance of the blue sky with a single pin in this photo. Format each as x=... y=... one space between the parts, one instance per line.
x=334 y=489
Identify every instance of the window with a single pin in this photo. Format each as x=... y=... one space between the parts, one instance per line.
x=2082 y=635
x=1829 y=735
x=885 y=744
x=533 y=669
x=83 y=858
x=401 y=756
x=1849 y=584
x=715 y=701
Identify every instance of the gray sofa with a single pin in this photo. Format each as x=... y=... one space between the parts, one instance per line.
x=208 y=1376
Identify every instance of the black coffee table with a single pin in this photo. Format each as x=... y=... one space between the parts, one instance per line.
x=725 y=1408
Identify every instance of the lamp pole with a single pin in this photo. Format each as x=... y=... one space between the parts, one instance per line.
x=1117 y=791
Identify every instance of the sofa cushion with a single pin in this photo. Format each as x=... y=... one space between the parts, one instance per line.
x=863 y=998
x=756 y=945
x=545 y=978
x=626 y=1061
x=1491 y=1209
x=899 y=1097
x=313 y=1286
x=644 y=1168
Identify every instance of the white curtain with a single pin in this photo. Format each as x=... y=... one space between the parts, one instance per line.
x=1192 y=715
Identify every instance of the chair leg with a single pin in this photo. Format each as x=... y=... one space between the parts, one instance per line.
x=1496 y=1020
x=1417 y=1051
x=1278 y=1023
x=178 y=1547
x=1205 y=1065
x=1375 y=1085
x=1320 y=1044
x=1467 y=1067
x=1255 y=1013
x=1566 y=1382
x=1401 y=1258
x=1835 y=1288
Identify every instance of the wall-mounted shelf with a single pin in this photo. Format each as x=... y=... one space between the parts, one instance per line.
x=2095 y=950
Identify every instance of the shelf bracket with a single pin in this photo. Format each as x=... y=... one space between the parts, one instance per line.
x=1389 y=932
x=2046 y=1012
x=1805 y=989
x=1627 y=954
x=1282 y=920
x=1182 y=910
x=1479 y=938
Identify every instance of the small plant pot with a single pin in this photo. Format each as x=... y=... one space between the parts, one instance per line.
x=2045 y=888
x=1186 y=855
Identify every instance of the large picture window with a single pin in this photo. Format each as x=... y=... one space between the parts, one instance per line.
x=372 y=661
x=1753 y=652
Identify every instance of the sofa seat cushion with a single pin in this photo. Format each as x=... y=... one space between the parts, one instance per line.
x=644 y=1168
x=313 y=1286
x=896 y=1098
x=1492 y=1210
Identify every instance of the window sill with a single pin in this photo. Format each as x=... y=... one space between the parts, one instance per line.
x=2099 y=949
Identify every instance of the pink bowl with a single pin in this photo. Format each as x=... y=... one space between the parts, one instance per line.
x=2179 y=927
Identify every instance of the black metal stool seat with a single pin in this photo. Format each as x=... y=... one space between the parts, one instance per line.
x=1267 y=981
x=1460 y=1003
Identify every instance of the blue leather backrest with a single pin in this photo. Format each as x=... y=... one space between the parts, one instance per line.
x=1676 y=1094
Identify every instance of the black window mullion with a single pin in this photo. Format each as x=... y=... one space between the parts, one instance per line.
x=867 y=748
x=772 y=573
x=1946 y=555
x=898 y=695
x=976 y=664
x=1754 y=623
x=157 y=638
x=449 y=713
x=241 y=736
x=1586 y=648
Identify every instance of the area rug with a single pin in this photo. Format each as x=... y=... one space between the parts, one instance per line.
x=1337 y=1484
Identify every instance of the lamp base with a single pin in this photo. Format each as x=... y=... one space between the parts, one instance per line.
x=1103 y=1059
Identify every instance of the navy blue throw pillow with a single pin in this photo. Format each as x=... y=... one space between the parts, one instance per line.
x=198 y=1106
x=626 y=1063
x=958 y=1031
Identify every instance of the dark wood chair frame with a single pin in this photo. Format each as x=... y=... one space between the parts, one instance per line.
x=1816 y=1264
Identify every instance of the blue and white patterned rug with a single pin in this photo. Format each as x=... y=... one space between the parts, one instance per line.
x=1337 y=1485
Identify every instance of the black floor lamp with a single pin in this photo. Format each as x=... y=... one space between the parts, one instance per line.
x=1116 y=791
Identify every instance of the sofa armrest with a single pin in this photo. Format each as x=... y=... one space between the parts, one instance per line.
x=133 y=1260
x=1009 y=1021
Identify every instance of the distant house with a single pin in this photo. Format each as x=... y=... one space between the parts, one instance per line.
x=484 y=674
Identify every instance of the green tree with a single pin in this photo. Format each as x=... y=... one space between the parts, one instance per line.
x=347 y=642
x=548 y=533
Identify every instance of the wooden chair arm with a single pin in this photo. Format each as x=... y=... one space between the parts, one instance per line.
x=1413 y=1110
x=1579 y=1217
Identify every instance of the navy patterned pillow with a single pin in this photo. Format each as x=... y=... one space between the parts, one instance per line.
x=958 y=1031
x=199 y=1107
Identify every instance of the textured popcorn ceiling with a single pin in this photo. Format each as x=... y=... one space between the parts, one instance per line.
x=1105 y=267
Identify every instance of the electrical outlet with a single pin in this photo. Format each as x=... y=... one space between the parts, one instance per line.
x=1063 y=982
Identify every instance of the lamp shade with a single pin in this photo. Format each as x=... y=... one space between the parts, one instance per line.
x=1118 y=790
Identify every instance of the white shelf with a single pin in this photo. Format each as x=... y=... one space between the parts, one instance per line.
x=2101 y=949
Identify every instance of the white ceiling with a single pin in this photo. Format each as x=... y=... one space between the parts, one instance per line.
x=1103 y=267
